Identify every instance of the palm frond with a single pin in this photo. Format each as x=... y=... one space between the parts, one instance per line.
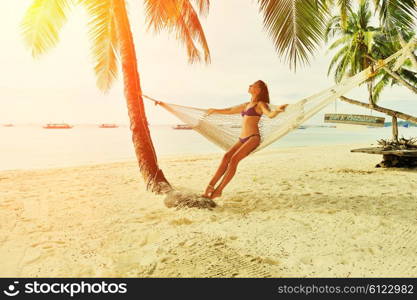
x=190 y=26
x=338 y=73
x=161 y=14
x=409 y=76
x=332 y=28
x=203 y=6
x=345 y=7
x=295 y=26
x=179 y=16
x=103 y=36
x=369 y=40
x=42 y=23
x=363 y=14
x=397 y=14
x=381 y=84
x=343 y=40
x=336 y=58
x=348 y=60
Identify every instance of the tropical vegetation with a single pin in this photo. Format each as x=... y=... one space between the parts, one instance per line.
x=298 y=28
x=360 y=44
x=112 y=40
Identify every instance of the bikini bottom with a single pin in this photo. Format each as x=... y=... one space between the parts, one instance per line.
x=243 y=140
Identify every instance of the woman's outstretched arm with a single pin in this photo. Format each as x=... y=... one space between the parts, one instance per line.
x=228 y=111
x=272 y=113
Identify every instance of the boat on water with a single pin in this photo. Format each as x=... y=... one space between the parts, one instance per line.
x=301 y=127
x=57 y=126
x=8 y=125
x=182 y=126
x=108 y=126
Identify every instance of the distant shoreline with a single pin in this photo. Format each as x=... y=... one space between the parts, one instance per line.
x=183 y=156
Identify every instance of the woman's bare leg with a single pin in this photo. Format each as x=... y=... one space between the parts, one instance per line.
x=221 y=169
x=241 y=153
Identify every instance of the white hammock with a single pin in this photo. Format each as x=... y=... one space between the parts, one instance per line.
x=223 y=130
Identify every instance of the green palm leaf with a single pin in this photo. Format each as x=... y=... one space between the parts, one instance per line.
x=345 y=7
x=336 y=58
x=103 y=35
x=381 y=84
x=343 y=40
x=397 y=14
x=295 y=26
x=42 y=23
x=409 y=76
x=332 y=28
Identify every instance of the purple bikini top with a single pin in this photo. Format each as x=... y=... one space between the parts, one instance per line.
x=250 y=112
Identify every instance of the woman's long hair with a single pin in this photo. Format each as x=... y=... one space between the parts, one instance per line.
x=264 y=93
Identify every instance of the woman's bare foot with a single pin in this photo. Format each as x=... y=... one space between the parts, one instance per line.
x=215 y=194
x=208 y=191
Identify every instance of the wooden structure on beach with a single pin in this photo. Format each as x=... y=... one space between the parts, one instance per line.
x=354 y=119
x=392 y=158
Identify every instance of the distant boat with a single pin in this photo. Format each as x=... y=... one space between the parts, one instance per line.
x=108 y=126
x=182 y=126
x=57 y=126
x=8 y=125
x=301 y=127
x=405 y=124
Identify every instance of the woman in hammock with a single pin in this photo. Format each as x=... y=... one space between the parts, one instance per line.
x=250 y=138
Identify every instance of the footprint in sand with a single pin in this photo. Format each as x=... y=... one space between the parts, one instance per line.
x=181 y=221
x=149 y=238
x=214 y=258
x=306 y=260
x=39 y=251
x=33 y=256
x=399 y=247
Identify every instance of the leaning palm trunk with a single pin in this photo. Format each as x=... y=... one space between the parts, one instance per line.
x=142 y=142
x=384 y=110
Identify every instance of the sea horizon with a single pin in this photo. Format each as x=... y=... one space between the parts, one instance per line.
x=33 y=147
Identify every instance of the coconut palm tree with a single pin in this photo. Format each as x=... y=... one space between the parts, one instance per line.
x=297 y=27
x=356 y=39
x=360 y=45
x=383 y=48
x=112 y=39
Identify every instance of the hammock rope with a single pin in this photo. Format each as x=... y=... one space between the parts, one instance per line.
x=223 y=130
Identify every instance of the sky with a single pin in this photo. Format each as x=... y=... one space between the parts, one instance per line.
x=61 y=85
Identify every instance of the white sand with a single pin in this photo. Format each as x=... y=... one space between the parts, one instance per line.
x=305 y=211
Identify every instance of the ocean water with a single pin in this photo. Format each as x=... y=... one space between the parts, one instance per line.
x=28 y=147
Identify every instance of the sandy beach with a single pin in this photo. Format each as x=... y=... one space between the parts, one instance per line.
x=318 y=211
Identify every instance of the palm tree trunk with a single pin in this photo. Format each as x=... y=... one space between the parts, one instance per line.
x=397 y=77
x=387 y=111
x=142 y=142
x=366 y=64
x=371 y=91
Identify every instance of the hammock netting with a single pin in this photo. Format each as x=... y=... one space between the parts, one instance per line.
x=224 y=129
